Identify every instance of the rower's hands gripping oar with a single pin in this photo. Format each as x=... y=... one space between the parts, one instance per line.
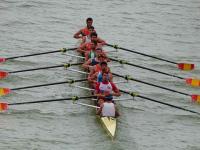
x=134 y=94
x=181 y=66
x=194 y=97
x=190 y=81
x=4 y=106
x=5 y=91
x=4 y=74
x=42 y=53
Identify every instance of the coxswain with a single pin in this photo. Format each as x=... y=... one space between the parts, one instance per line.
x=85 y=31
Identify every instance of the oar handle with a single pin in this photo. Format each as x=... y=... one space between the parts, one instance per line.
x=42 y=53
x=136 y=52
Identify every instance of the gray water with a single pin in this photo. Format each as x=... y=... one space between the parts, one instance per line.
x=168 y=29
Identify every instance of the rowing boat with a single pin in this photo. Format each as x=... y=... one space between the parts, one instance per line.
x=108 y=123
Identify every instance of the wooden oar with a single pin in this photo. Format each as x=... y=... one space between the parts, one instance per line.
x=42 y=53
x=4 y=74
x=4 y=105
x=5 y=91
x=153 y=100
x=190 y=81
x=194 y=97
x=181 y=66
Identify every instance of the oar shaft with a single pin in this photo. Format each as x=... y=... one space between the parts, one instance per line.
x=56 y=83
x=51 y=100
x=41 y=68
x=42 y=53
x=165 y=88
x=131 y=64
x=153 y=100
x=136 y=52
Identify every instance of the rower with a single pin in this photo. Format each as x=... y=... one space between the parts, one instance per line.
x=94 y=77
x=108 y=109
x=85 y=31
x=87 y=46
x=105 y=91
x=93 y=63
x=94 y=37
x=94 y=52
x=87 y=38
x=91 y=54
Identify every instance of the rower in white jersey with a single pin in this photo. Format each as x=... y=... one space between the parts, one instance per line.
x=105 y=91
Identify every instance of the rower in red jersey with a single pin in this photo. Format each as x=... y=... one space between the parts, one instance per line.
x=105 y=91
x=93 y=63
x=95 y=77
x=87 y=38
x=98 y=75
x=85 y=31
x=94 y=52
x=87 y=46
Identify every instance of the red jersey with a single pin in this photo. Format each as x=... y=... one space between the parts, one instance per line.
x=85 y=31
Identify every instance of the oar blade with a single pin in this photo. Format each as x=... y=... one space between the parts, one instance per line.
x=193 y=82
x=185 y=66
x=4 y=91
x=3 y=74
x=195 y=98
x=3 y=106
x=2 y=60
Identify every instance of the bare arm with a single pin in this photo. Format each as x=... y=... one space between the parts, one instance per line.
x=92 y=77
x=86 y=64
x=116 y=92
x=101 y=41
x=83 y=40
x=78 y=35
x=87 y=56
x=81 y=49
x=100 y=110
